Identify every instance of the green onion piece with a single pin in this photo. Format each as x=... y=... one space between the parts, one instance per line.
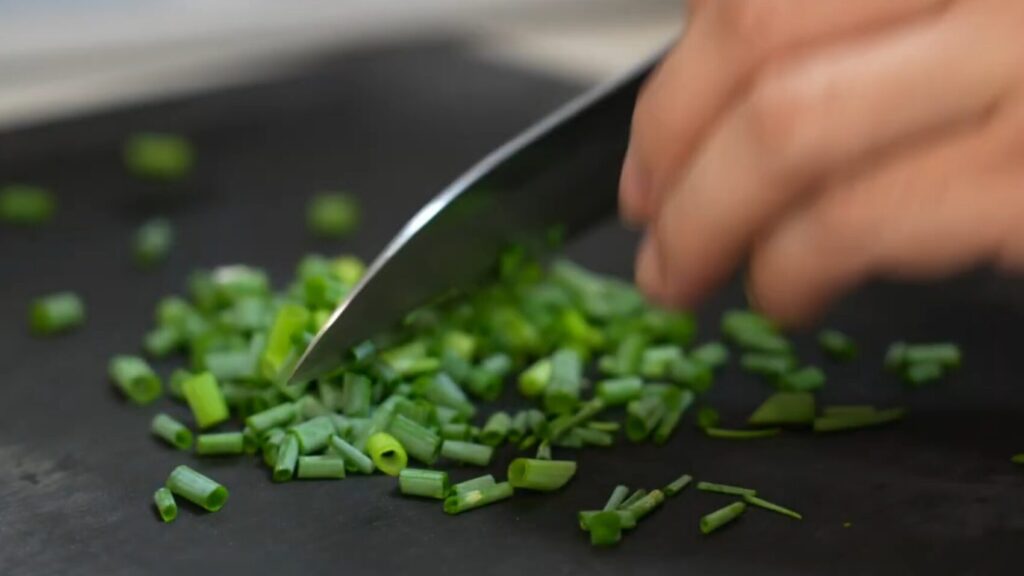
x=387 y=453
x=477 y=483
x=587 y=411
x=488 y=379
x=626 y=519
x=712 y=354
x=158 y=156
x=278 y=416
x=692 y=374
x=496 y=429
x=153 y=242
x=591 y=437
x=644 y=506
x=845 y=409
x=770 y=365
x=657 y=361
x=755 y=501
x=287 y=459
x=605 y=528
x=544 y=475
x=161 y=341
x=135 y=379
x=725 y=489
x=178 y=378
x=922 y=373
x=642 y=416
x=527 y=442
x=332 y=215
x=467 y=452
x=456 y=431
x=320 y=467
x=617 y=497
x=354 y=459
x=837 y=346
x=356 y=392
x=165 y=504
x=197 y=488
x=806 y=379
x=1018 y=458
x=676 y=403
x=56 y=313
x=537 y=422
x=175 y=433
x=313 y=434
x=291 y=319
x=707 y=417
x=221 y=444
x=469 y=500
x=520 y=426
x=628 y=356
x=730 y=434
x=604 y=426
x=440 y=389
x=570 y=440
x=946 y=354
x=544 y=450
x=855 y=420
x=784 y=408
x=753 y=332
x=423 y=483
x=204 y=397
x=271 y=442
x=676 y=486
x=562 y=393
x=896 y=356
x=421 y=443
x=250 y=441
x=619 y=391
x=721 y=517
x=636 y=495
x=26 y=205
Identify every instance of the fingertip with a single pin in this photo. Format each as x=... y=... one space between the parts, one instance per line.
x=634 y=189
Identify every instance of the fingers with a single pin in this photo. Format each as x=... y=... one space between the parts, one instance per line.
x=930 y=212
x=726 y=42
x=824 y=115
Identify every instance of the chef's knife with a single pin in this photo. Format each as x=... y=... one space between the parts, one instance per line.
x=562 y=172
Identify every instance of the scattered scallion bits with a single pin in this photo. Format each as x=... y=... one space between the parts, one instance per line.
x=320 y=468
x=642 y=416
x=197 y=488
x=605 y=528
x=163 y=499
x=733 y=434
x=619 y=391
x=134 y=377
x=423 y=483
x=387 y=453
x=806 y=379
x=837 y=345
x=852 y=420
x=543 y=475
x=676 y=486
x=464 y=501
x=355 y=459
x=287 y=459
x=725 y=489
x=467 y=452
x=755 y=501
x=171 y=431
x=158 y=156
x=204 y=397
x=332 y=214
x=721 y=517
x=56 y=313
x=617 y=497
x=153 y=242
x=707 y=417
x=784 y=409
x=496 y=429
x=1018 y=459
x=419 y=441
x=220 y=444
x=26 y=205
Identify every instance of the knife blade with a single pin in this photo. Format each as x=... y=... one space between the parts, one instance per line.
x=561 y=172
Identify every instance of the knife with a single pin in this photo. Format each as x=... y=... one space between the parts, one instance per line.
x=561 y=172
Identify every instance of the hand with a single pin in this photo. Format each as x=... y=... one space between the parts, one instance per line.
x=829 y=141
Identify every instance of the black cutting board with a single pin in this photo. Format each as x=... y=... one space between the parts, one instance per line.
x=935 y=494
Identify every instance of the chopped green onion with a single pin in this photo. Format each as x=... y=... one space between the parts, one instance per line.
x=633 y=498
x=721 y=517
x=1018 y=459
x=605 y=528
x=467 y=452
x=158 y=156
x=544 y=450
x=628 y=355
x=725 y=489
x=387 y=453
x=657 y=361
x=676 y=403
x=204 y=397
x=354 y=459
x=153 y=241
x=520 y=426
x=642 y=416
x=755 y=501
x=197 y=488
x=488 y=379
x=313 y=434
x=26 y=205
x=562 y=393
x=423 y=483
x=320 y=467
x=287 y=458
x=617 y=497
x=604 y=426
x=707 y=417
x=544 y=475
x=175 y=433
x=922 y=373
x=626 y=519
x=896 y=356
x=676 y=486
x=784 y=408
x=178 y=378
x=753 y=332
x=692 y=374
x=945 y=354
x=420 y=442
x=56 y=313
x=805 y=379
x=837 y=345
x=165 y=504
x=161 y=341
x=588 y=410
x=842 y=410
x=619 y=391
x=644 y=506
x=855 y=420
x=456 y=431
x=591 y=437
x=477 y=483
x=332 y=215
x=221 y=444
x=134 y=377
x=271 y=442
x=770 y=365
x=356 y=392
x=441 y=390
x=712 y=354
x=291 y=319
x=730 y=434
x=278 y=416
x=464 y=501
x=496 y=429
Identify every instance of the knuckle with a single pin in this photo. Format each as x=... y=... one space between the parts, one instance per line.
x=777 y=114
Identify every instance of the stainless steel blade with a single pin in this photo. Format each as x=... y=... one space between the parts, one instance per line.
x=561 y=172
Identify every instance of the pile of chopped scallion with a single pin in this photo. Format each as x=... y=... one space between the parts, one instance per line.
x=411 y=401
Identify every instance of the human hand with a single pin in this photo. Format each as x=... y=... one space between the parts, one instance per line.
x=829 y=141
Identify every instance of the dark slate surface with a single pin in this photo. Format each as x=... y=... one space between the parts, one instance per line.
x=933 y=495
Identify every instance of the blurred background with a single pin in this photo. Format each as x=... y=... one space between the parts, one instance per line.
x=68 y=57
